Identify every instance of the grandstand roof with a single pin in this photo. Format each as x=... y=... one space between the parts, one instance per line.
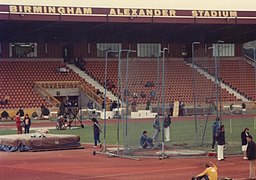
x=21 y=31
x=118 y=21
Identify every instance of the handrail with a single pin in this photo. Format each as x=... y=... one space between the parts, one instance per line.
x=49 y=96
x=93 y=95
x=88 y=91
x=58 y=82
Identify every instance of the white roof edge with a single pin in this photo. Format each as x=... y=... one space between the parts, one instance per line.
x=235 y=5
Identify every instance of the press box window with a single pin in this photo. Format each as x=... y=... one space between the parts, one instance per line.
x=22 y=50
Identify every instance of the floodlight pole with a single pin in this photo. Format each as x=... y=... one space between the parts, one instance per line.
x=163 y=155
x=194 y=95
x=105 y=95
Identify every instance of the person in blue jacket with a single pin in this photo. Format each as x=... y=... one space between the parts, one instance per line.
x=146 y=141
x=215 y=127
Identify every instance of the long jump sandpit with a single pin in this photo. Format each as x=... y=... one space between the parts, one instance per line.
x=38 y=142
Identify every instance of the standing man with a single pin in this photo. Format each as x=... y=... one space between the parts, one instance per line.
x=27 y=122
x=221 y=143
x=244 y=135
x=167 y=123
x=21 y=111
x=18 y=123
x=96 y=132
x=215 y=127
x=171 y=108
x=156 y=126
x=251 y=155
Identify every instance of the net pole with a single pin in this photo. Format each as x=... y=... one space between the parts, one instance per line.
x=194 y=94
x=126 y=100
x=118 y=102
x=216 y=83
x=126 y=82
x=219 y=83
x=123 y=94
x=254 y=59
x=158 y=84
x=120 y=86
x=105 y=97
x=209 y=110
x=125 y=120
x=163 y=96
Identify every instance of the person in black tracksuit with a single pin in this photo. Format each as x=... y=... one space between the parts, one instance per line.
x=251 y=155
x=221 y=143
x=215 y=128
x=167 y=123
x=244 y=135
x=27 y=123
x=96 y=132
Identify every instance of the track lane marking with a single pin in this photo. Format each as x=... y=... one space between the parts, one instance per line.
x=145 y=172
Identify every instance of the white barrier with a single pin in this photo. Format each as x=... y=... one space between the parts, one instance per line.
x=53 y=114
x=109 y=114
x=236 y=109
x=142 y=114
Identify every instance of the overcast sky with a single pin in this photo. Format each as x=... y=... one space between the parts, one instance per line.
x=153 y=4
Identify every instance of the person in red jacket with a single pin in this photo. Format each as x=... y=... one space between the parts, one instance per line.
x=18 y=123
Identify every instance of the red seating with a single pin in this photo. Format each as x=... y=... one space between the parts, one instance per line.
x=178 y=79
x=19 y=77
x=235 y=72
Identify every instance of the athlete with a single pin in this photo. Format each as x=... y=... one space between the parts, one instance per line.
x=210 y=173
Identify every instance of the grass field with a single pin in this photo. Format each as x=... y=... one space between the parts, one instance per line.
x=182 y=133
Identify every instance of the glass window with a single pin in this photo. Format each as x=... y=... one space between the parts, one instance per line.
x=102 y=48
x=19 y=50
x=225 y=50
x=148 y=49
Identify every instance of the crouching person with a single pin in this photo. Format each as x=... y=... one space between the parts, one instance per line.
x=146 y=141
x=210 y=172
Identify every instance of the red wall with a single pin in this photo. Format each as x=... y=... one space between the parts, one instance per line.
x=4 y=50
x=55 y=48
x=81 y=49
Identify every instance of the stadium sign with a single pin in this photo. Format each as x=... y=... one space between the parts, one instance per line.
x=49 y=10
x=130 y=12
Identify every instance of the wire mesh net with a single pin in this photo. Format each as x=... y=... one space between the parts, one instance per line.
x=196 y=89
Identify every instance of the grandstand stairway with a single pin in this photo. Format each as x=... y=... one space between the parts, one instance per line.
x=91 y=81
x=223 y=86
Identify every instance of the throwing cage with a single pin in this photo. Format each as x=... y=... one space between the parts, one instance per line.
x=200 y=81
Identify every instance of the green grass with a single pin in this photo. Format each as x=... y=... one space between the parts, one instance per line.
x=182 y=132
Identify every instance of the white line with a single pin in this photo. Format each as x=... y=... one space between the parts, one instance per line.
x=144 y=172
x=234 y=178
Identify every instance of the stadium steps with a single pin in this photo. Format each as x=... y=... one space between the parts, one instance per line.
x=223 y=86
x=91 y=81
